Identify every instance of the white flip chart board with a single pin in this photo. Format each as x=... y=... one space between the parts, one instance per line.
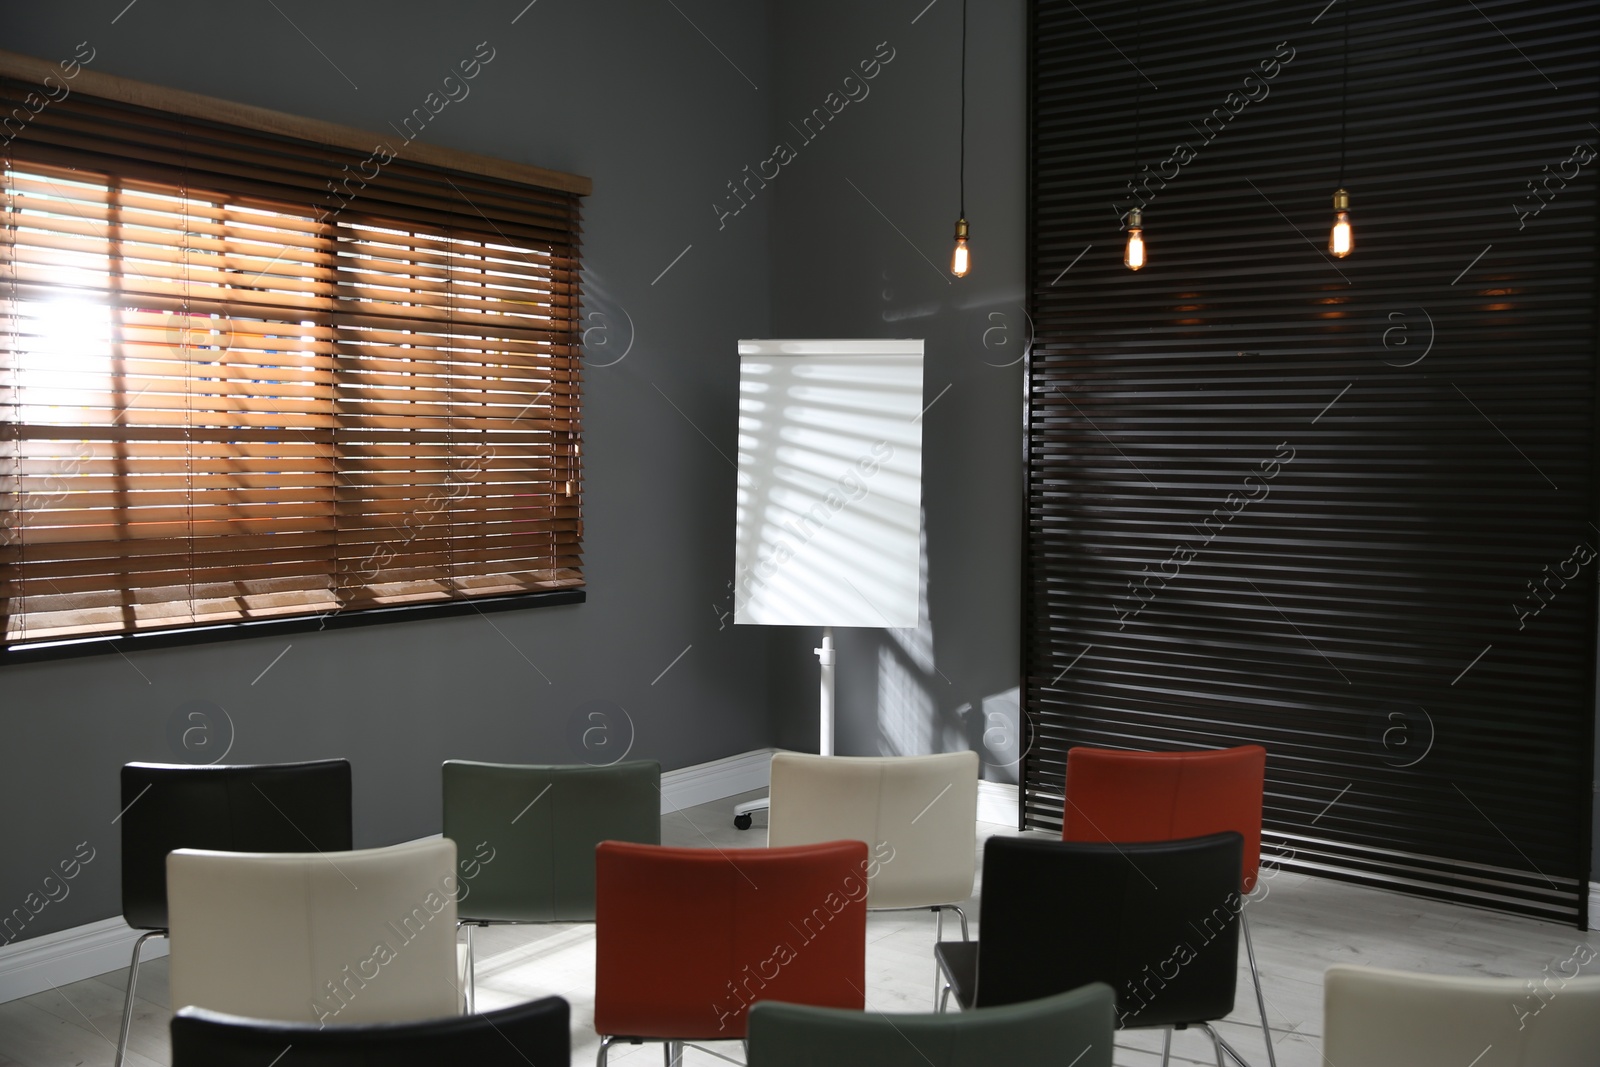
x=830 y=483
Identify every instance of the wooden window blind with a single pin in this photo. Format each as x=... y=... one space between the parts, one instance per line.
x=238 y=383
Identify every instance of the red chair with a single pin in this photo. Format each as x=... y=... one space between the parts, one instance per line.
x=686 y=939
x=1125 y=797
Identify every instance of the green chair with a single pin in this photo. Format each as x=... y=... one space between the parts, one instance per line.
x=526 y=836
x=1074 y=1027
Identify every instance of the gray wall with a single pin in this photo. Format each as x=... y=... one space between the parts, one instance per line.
x=862 y=235
x=637 y=100
x=635 y=97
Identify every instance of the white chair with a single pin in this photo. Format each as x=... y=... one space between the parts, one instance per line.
x=917 y=814
x=327 y=937
x=1383 y=1018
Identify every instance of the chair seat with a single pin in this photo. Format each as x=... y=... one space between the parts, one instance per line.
x=959 y=962
x=542 y=869
x=264 y=934
x=532 y=1034
x=1157 y=921
x=917 y=814
x=686 y=939
x=1069 y=1028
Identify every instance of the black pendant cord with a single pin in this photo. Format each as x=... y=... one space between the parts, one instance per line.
x=1138 y=90
x=1344 y=94
x=963 y=165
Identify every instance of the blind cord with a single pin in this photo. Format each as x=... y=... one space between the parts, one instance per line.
x=15 y=516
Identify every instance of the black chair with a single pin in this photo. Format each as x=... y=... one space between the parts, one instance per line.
x=1156 y=921
x=534 y=1033
x=269 y=807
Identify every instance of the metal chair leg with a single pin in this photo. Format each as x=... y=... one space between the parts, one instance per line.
x=938 y=935
x=1166 y=1045
x=472 y=974
x=1232 y=1052
x=605 y=1046
x=1216 y=1041
x=127 y=1006
x=1261 y=1000
x=674 y=1053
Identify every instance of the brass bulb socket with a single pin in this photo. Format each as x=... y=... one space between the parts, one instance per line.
x=1341 y=200
x=961 y=229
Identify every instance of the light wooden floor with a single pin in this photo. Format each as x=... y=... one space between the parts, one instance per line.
x=1301 y=927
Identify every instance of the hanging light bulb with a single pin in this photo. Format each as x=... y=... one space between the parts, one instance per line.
x=1339 y=239
x=1133 y=259
x=960 y=261
x=1133 y=256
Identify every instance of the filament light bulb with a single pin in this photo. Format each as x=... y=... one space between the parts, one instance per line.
x=1133 y=258
x=961 y=260
x=1340 y=239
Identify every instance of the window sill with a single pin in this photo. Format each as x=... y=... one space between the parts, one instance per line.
x=68 y=648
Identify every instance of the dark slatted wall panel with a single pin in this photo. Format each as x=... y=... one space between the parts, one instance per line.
x=1341 y=508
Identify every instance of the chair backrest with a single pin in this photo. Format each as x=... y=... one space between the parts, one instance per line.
x=532 y=1033
x=1382 y=1018
x=1156 y=921
x=268 y=807
x=526 y=834
x=1159 y=796
x=1075 y=1027
x=687 y=938
x=917 y=814
x=316 y=937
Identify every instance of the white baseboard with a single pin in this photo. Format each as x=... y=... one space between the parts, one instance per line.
x=997 y=802
x=34 y=965
x=705 y=782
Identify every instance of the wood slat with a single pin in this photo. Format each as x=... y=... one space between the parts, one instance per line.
x=263 y=389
